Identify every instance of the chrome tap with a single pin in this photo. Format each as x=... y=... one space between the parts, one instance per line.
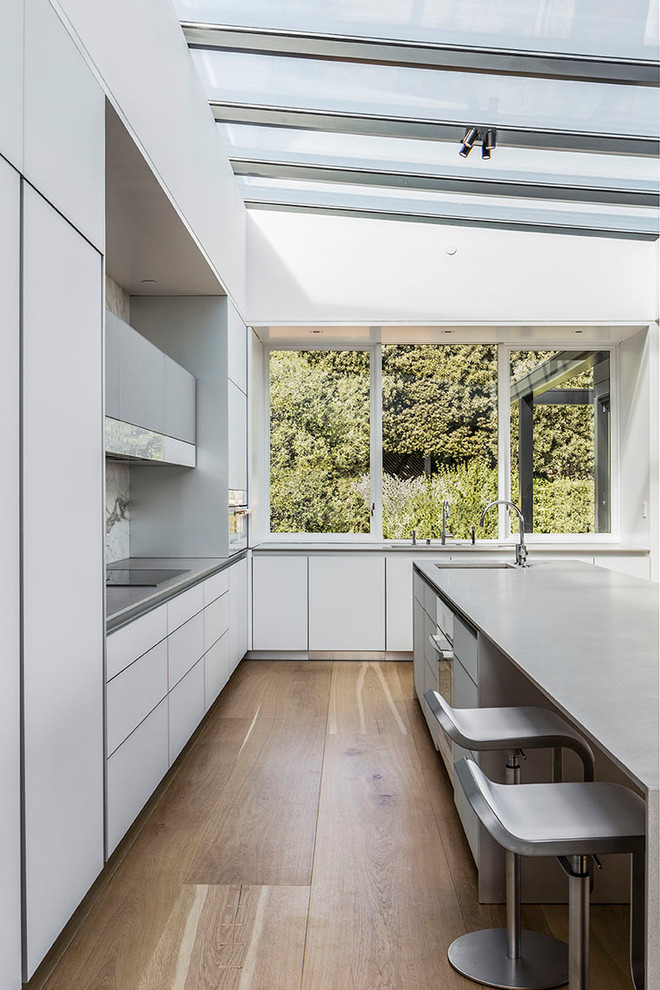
x=445 y=519
x=521 y=549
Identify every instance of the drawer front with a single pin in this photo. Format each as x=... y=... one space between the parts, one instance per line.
x=186 y=703
x=131 y=641
x=418 y=589
x=185 y=647
x=444 y=618
x=429 y=601
x=465 y=647
x=184 y=606
x=216 y=620
x=466 y=692
x=216 y=670
x=468 y=818
x=134 y=772
x=133 y=693
x=216 y=586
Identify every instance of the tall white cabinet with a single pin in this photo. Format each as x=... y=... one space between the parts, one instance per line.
x=10 y=871
x=63 y=571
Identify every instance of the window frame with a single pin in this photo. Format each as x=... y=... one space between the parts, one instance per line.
x=506 y=535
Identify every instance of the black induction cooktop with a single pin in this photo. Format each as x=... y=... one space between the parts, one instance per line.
x=138 y=577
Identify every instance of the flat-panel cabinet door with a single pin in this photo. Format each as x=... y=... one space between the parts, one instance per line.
x=178 y=402
x=216 y=670
x=238 y=635
x=64 y=124
x=399 y=603
x=10 y=812
x=347 y=602
x=63 y=566
x=112 y=364
x=236 y=348
x=237 y=439
x=186 y=703
x=279 y=603
x=142 y=381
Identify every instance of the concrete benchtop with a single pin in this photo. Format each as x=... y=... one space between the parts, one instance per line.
x=586 y=636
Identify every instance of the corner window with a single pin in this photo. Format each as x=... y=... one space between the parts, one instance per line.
x=560 y=440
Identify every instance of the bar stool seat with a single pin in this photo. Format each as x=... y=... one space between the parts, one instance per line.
x=575 y=820
x=530 y=727
x=509 y=958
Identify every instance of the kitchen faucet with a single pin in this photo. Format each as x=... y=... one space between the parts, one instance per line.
x=521 y=549
x=445 y=520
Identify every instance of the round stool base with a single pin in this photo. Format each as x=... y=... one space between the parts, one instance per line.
x=481 y=956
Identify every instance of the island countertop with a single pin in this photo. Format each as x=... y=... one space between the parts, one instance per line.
x=586 y=636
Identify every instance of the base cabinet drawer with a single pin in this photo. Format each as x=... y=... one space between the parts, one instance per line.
x=185 y=647
x=134 y=771
x=468 y=818
x=216 y=670
x=132 y=694
x=131 y=641
x=216 y=586
x=186 y=703
x=216 y=620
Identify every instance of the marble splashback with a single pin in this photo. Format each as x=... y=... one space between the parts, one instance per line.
x=117 y=300
x=117 y=517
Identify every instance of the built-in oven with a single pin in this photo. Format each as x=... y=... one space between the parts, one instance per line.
x=239 y=514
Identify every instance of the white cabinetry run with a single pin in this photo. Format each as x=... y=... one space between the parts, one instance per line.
x=165 y=670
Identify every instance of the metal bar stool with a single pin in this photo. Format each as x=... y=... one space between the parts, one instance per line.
x=511 y=959
x=571 y=822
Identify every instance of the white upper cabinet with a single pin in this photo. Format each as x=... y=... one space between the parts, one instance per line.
x=347 y=602
x=63 y=571
x=237 y=439
x=236 y=348
x=64 y=156
x=11 y=83
x=10 y=817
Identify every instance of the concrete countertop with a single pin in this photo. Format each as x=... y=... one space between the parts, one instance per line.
x=586 y=636
x=125 y=604
x=453 y=546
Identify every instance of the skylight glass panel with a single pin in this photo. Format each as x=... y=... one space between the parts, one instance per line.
x=282 y=144
x=457 y=97
x=475 y=208
x=607 y=28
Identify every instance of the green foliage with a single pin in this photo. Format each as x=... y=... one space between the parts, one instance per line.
x=439 y=442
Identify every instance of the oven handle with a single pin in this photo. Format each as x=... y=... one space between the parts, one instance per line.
x=444 y=652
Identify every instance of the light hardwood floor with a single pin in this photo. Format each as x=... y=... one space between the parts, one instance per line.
x=305 y=840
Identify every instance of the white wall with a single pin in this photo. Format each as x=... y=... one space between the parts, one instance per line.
x=141 y=57
x=304 y=268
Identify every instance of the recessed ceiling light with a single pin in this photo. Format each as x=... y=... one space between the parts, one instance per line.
x=451 y=249
x=447 y=331
x=149 y=281
x=577 y=331
x=316 y=331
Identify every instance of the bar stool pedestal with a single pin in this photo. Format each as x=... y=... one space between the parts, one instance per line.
x=482 y=956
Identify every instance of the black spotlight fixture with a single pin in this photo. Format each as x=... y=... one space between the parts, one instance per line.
x=488 y=143
x=469 y=138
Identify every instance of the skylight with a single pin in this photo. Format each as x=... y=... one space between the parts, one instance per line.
x=361 y=106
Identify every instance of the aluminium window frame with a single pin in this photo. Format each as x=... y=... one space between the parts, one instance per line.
x=504 y=349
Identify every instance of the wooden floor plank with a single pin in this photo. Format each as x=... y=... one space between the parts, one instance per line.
x=231 y=938
x=366 y=698
x=215 y=885
x=278 y=689
x=264 y=829
x=112 y=948
x=383 y=902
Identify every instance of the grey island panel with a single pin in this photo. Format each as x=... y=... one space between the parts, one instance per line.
x=587 y=637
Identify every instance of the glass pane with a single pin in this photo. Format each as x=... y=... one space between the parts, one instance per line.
x=319 y=442
x=598 y=27
x=473 y=208
x=560 y=440
x=460 y=97
x=439 y=439
x=283 y=144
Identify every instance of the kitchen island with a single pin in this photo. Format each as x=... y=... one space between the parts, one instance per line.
x=585 y=639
